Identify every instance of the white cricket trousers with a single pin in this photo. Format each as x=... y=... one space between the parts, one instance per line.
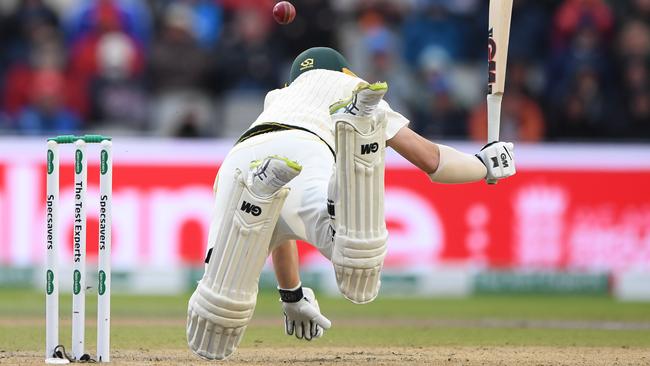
x=304 y=215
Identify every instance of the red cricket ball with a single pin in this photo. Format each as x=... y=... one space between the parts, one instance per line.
x=284 y=12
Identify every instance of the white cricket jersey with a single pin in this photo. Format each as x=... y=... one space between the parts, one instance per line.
x=305 y=103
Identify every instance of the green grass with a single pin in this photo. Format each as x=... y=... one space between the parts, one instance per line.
x=157 y=322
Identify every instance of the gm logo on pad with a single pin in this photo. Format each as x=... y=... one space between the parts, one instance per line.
x=369 y=148
x=251 y=208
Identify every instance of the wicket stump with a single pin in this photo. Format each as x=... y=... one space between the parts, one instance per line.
x=54 y=353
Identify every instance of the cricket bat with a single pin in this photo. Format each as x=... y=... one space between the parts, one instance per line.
x=498 y=38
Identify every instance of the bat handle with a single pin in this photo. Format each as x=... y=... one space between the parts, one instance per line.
x=493 y=121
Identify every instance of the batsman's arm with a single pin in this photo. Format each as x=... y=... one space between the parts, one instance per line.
x=302 y=316
x=285 y=264
x=442 y=163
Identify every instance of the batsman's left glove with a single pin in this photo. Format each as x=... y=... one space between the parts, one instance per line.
x=302 y=315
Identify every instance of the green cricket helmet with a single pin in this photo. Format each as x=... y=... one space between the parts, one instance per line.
x=319 y=58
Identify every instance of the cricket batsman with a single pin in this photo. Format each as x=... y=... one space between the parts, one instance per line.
x=311 y=167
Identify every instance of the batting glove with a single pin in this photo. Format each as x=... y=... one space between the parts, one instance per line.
x=498 y=158
x=302 y=315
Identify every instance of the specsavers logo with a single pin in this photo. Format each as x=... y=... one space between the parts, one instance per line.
x=103 y=162
x=50 y=161
x=78 y=166
x=76 y=282
x=101 y=288
x=50 y=282
x=307 y=64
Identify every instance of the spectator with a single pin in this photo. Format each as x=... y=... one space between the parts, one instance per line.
x=634 y=40
x=129 y=16
x=30 y=24
x=46 y=112
x=118 y=96
x=179 y=73
x=438 y=115
x=633 y=9
x=6 y=125
x=529 y=36
x=581 y=65
x=472 y=23
x=207 y=19
x=249 y=59
x=315 y=25
x=103 y=18
x=377 y=47
x=582 y=72
x=634 y=59
x=168 y=70
x=432 y=25
x=582 y=110
x=46 y=55
x=637 y=99
x=572 y=16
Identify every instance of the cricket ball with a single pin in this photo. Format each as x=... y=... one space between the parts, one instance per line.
x=284 y=12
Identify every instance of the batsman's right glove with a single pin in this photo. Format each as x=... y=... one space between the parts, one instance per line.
x=302 y=315
x=499 y=159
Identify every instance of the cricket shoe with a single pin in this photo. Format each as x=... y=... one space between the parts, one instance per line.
x=364 y=100
x=269 y=175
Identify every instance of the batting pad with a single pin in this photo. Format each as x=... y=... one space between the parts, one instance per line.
x=223 y=303
x=360 y=238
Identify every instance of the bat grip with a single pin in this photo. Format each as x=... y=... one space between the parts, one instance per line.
x=493 y=121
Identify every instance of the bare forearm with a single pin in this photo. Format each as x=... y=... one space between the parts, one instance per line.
x=286 y=266
x=442 y=163
x=421 y=152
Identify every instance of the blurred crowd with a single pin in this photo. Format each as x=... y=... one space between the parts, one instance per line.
x=578 y=69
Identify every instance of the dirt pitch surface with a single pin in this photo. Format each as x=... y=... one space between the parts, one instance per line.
x=340 y=356
x=488 y=330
